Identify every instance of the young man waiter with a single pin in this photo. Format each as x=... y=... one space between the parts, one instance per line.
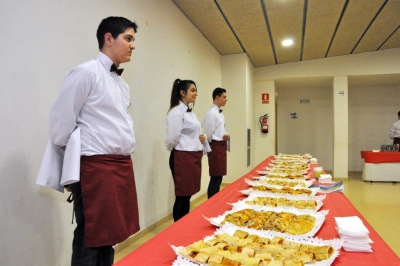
x=95 y=99
x=214 y=128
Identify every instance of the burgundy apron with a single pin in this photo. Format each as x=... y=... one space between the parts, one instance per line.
x=217 y=158
x=396 y=141
x=187 y=172
x=109 y=199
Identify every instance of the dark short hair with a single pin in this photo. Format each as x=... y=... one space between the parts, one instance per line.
x=218 y=92
x=115 y=26
x=398 y=113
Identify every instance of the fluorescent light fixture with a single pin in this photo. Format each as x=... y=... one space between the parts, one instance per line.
x=287 y=42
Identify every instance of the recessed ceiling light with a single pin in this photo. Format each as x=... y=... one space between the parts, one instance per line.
x=287 y=42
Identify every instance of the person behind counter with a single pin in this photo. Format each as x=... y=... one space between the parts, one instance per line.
x=394 y=132
x=214 y=128
x=94 y=99
x=185 y=141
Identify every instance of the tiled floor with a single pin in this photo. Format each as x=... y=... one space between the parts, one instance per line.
x=379 y=203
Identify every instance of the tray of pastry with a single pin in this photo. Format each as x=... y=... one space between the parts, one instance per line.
x=309 y=204
x=281 y=222
x=230 y=245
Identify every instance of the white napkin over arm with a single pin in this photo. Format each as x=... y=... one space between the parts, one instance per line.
x=59 y=167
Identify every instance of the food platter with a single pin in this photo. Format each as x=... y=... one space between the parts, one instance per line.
x=319 y=218
x=325 y=251
x=313 y=191
x=280 y=182
x=251 y=202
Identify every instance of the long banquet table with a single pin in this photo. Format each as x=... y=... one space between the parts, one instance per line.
x=194 y=227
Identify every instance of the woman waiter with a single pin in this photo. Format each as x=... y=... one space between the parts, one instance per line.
x=185 y=141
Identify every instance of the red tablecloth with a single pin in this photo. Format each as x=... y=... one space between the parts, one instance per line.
x=380 y=157
x=193 y=227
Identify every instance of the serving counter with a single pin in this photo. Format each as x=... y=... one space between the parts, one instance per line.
x=381 y=166
x=194 y=227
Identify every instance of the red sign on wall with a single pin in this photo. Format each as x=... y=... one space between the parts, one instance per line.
x=265 y=98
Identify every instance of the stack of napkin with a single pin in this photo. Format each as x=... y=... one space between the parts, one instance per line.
x=354 y=234
x=325 y=178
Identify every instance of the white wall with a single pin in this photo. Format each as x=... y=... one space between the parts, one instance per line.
x=379 y=62
x=42 y=41
x=312 y=131
x=264 y=142
x=372 y=111
x=340 y=127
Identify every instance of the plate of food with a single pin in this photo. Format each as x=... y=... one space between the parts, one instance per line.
x=230 y=245
x=279 y=183
x=269 y=190
x=312 y=204
x=294 y=223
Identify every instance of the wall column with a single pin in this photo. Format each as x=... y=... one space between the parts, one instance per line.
x=264 y=142
x=340 y=126
x=234 y=81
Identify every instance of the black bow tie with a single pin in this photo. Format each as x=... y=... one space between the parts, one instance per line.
x=116 y=70
x=189 y=110
x=220 y=110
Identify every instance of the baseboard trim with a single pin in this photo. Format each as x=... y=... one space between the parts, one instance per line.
x=355 y=172
x=145 y=231
x=140 y=234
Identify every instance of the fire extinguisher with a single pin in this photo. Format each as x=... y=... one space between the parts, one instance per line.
x=264 y=123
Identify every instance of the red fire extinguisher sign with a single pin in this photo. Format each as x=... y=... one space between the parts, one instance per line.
x=265 y=98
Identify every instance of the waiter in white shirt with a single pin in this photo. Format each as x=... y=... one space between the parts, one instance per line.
x=95 y=98
x=185 y=141
x=214 y=128
x=394 y=132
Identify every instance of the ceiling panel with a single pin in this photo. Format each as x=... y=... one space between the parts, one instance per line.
x=356 y=19
x=322 y=18
x=382 y=27
x=205 y=15
x=319 y=28
x=253 y=34
x=286 y=21
x=393 y=41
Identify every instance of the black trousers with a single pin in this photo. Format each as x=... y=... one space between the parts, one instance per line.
x=214 y=185
x=182 y=203
x=81 y=255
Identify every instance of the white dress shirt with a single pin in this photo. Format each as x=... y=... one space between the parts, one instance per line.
x=97 y=101
x=214 y=124
x=395 y=130
x=183 y=130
